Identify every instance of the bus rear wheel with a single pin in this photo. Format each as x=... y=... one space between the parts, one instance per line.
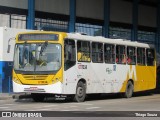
x=80 y=92
x=129 y=90
x=37 y=97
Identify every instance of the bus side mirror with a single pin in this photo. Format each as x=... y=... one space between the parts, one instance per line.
x=8 y=49
x=9 y=46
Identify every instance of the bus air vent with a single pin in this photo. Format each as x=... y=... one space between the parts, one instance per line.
x=35 y=77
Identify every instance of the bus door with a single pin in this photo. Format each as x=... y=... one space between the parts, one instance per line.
x=69 y=60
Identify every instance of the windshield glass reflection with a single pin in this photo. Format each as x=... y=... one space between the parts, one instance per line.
x=37 y=57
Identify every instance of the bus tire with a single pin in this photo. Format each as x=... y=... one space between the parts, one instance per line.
x=80 y=92
x=37 y=97
x=129 y=90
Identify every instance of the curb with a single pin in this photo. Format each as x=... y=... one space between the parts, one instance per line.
x=7 y=96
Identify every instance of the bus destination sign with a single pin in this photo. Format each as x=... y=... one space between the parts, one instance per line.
x=45 y=37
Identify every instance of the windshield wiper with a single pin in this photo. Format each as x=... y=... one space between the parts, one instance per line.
x=23 y=56
x=43 y=47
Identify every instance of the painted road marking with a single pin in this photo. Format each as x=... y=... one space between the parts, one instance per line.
x=92 y=108
x=46 y=106
x=43 y=109
x=3 y=107
x=7 y=104
x=73 y=106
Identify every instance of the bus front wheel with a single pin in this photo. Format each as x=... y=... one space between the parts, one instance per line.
x=37 y=97
x=80 y=92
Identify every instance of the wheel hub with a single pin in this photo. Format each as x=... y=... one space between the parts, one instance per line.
x=80 y=92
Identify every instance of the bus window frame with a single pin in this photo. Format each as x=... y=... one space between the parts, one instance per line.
x=112 y=54
x=98 y=52
x=80 y=52
x=124 y=55
x=140 y=64
x=153 y=56
x=135 y=56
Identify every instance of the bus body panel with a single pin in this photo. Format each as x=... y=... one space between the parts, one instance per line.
x=109 y=78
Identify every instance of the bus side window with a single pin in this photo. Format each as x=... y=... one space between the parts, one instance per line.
x=79 y=56
x=109 y=53
x=150 y=57
x=131 y=55
x=83 y=51
x=97 y=52
x=121 y=57
x=141 y=56
x=69 y=53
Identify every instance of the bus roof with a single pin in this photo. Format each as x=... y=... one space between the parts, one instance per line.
x=78 y=36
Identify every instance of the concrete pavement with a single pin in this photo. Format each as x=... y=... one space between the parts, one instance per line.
x=5 y=96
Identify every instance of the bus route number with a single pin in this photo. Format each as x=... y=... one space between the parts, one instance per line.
x=82 y=66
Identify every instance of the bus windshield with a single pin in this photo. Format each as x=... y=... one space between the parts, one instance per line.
x=41 y=57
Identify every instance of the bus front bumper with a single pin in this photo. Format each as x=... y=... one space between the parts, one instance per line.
x=53 y=88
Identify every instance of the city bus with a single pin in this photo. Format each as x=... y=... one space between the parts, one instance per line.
x=76 y=65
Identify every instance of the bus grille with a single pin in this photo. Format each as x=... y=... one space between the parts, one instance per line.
x=34 y=90
x=35 y=77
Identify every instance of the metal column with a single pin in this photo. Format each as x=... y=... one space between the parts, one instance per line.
x=106 y=18
x=31 y=14
x=72 y=20
x=135 y=20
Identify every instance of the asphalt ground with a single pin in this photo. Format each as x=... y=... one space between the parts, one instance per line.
x=108 y=106
x=5 y=96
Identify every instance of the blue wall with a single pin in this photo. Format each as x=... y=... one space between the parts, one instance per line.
x=5 y=77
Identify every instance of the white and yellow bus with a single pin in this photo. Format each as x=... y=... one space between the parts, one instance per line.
x=60 y=63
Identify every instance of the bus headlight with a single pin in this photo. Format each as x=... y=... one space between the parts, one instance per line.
x=55 y=80
x=16 y=80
